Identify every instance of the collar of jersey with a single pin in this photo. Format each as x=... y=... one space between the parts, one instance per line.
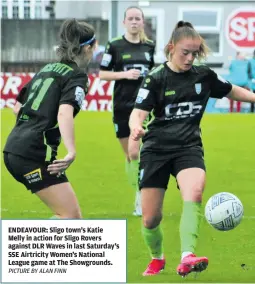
x=133 y=43
x=192 y=70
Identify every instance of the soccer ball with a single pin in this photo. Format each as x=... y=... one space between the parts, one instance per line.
x=224 y=211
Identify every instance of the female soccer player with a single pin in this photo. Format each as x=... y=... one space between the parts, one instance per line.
x=49 y=104
x=127 y=60
x=177 y=92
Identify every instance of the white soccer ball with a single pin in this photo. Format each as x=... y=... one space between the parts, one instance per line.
x=224 y=211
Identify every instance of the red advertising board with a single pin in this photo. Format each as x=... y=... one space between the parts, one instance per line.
x=240 y=29
x=99 y=97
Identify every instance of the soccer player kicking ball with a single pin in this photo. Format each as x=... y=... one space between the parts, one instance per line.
x=45 y=110
x=177 y=92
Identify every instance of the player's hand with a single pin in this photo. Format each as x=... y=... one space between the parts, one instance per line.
x=137 y=133
x=58 y=167
x=133 y=74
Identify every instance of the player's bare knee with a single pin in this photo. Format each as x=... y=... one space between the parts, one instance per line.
x=151 y=222
x=197 y=193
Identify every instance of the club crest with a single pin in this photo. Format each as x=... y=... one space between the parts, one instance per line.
x=198 y=88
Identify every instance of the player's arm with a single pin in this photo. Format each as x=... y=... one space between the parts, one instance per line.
x=132 y=74
x=66 y=127
x=107 y=65
x=136 y=120
x=72 y=96
x=240 y=94
x=16 y=108
x=145 y=102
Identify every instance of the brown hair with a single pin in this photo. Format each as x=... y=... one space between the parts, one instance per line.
x=186 y=30
x=142 y=34
x=72 y=35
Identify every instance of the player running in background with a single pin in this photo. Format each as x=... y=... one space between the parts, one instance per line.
x=177 y=92
x=48 y=105
x=127 y=60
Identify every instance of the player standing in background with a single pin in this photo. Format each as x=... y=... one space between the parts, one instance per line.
x=177 y=92
x=46 y=109
x=127 y=60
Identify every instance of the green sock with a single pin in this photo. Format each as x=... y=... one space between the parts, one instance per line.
x=154 y=240
x=134 y=169
x=189 y=225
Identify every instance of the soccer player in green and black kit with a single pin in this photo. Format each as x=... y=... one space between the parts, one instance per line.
x=177 y=92
x=127 y=60
x=48 y=105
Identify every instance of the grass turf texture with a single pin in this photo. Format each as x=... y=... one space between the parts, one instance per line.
x=98 y=176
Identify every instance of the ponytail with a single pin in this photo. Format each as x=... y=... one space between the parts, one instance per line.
x=186 y=30
x=73 y=35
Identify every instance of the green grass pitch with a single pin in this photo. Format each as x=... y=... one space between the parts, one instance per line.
x=100 y=183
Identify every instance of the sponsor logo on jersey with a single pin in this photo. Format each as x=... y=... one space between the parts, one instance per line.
x=126 y=56
x=142 y=95
x=169 y=93
x=182 y=110
x=143 y=68
x=198 y=88
x=107 y=58
x=79 y=95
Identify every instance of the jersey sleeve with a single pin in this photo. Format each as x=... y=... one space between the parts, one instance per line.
x=146 y=96
x=107 y=62
x=219 y=86
x=22 y=96
x=74 y=91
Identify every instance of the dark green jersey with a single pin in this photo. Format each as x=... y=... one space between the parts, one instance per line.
x=36 y=134
x=122 y=55
x=178 y=101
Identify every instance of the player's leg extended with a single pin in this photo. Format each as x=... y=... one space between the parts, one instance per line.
x=62 y=201
x=152 y=201
x=132 y=168
x=191 y=182
x=133 y=151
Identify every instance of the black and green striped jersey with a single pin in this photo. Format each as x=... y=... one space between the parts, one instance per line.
x=178 y=101
x=122 y=55
x=36 y=134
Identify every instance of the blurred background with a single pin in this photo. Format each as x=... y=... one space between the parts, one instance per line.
x=29 y=34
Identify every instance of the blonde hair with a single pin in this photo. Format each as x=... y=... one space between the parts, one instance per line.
x=186 y=30
x=72 y=35
x=142 y=34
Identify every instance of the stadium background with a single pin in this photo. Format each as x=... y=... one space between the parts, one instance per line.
x=28 y=40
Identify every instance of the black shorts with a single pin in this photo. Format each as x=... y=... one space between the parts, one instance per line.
x=122 y=129
x=32 y=174
x=156 y=173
